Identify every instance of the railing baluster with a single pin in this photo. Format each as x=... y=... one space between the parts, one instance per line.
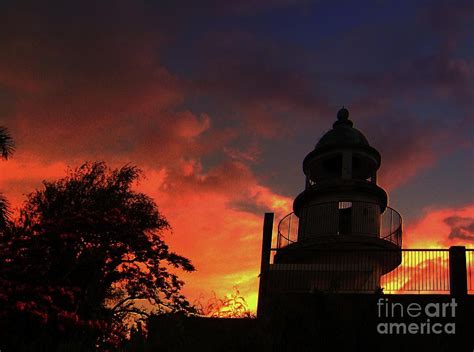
x=421 y=270
x=289 y=227
x=325 y=218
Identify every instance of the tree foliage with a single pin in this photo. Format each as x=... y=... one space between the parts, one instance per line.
x=7 y=147
x=88 y=251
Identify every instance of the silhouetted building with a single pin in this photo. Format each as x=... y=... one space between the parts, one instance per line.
x=341 y=216
x=338 y=253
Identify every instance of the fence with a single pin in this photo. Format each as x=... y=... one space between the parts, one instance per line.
x=420 y=271
x=405 y=271
x=300 y=267
x=470 y=270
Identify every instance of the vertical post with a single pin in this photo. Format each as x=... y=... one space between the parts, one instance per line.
x=265 y=262
x=457 y=270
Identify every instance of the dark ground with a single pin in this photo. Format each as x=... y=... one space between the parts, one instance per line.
x=314 y=322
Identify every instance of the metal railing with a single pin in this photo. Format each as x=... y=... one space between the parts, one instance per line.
x=341 y=218
x=470 y=270
x=287 y=230
x=368 y=271
x=420 y=271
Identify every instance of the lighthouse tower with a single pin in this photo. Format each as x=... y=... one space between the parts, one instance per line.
x=342 y=236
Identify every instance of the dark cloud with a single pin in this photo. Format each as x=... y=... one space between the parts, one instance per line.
x=103 y=80
x=86 y=81
x=448 y=17
x=409 y=143
x=440 y=75
x=259 y=82
x=461 y=228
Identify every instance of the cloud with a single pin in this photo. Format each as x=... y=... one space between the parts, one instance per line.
x=241 y=8
x=250 y=75
x=222 y=240
x=23 y=175
x=441 y=228
x=440 y=74
x=447 y=19
x=407 y=146
x=461 y=227
x=94 y=87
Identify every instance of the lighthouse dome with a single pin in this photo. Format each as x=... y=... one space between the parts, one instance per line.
x=342 y=134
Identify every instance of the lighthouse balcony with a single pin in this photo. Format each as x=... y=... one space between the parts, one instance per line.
x=336 y=223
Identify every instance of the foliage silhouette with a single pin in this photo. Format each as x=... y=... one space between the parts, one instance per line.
x=7 y=147
x=232 y=305
x=85 y=255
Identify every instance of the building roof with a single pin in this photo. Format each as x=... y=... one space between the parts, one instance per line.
x=342 y=133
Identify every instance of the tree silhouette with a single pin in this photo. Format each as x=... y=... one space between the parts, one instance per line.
x=90 y=250
x=7 y=147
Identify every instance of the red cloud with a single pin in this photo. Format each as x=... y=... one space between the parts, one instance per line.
x=223 y=242
x=441 y=228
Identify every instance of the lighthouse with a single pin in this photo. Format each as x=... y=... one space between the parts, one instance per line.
x=341 y=236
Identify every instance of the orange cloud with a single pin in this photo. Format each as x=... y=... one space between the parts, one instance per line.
x=440 y=228
x=222 y=240
x=24 y=174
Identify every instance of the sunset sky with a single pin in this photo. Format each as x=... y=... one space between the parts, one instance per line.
x=218 y=102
